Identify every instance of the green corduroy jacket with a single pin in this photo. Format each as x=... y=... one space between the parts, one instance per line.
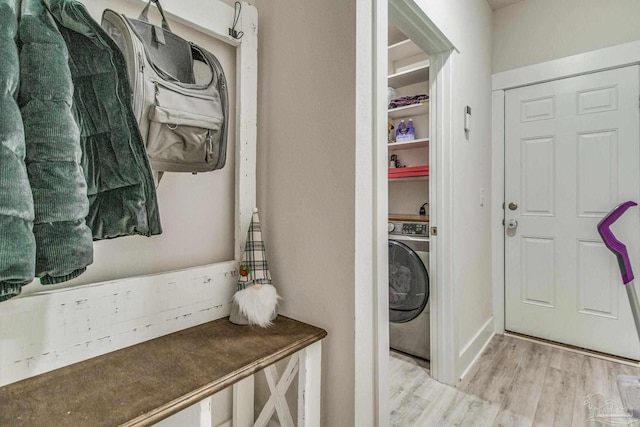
x=86 y=164
x=17 y=243
x=120 y=186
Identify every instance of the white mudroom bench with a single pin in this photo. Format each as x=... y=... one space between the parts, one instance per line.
x=145 y=383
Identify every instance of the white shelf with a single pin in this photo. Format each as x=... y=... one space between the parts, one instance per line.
x=409 y=77
x=410 y=178
x=410 y=66
x=403 y=49
x=409 y=110
x=416 y=143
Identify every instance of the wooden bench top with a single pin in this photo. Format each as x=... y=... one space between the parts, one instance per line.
x=145 y=383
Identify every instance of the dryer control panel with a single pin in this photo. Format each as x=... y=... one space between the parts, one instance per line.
x=409 y=228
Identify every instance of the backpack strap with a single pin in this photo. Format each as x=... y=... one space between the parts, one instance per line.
x=144 y=15
x=158 y=35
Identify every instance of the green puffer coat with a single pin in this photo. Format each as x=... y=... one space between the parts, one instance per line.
x=17 y=244
x=122 y=196
x=64 y=246
x=88 y=174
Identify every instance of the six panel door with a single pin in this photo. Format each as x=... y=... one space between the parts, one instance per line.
x=571 y=154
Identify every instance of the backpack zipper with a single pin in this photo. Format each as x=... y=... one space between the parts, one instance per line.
x=138 y=86
x=186 y=92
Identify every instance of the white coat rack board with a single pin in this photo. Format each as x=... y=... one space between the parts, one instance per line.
x=52 y=330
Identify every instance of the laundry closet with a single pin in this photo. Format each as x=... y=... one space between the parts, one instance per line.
x=408 y=190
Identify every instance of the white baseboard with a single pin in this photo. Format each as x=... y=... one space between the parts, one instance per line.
x=227 y=423
x=470 y=353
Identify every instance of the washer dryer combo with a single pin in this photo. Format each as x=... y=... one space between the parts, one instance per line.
x=409 y=313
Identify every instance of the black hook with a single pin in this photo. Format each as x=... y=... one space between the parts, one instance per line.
x=237 y=9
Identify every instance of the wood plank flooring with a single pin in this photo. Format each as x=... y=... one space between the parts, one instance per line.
x=515 y=382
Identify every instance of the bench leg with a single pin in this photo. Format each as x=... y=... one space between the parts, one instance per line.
x=307 y=364
x=243 y=394
x=205 y=412
x=277 y=401
x=309 y=386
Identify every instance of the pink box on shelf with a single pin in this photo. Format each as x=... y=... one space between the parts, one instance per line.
x=410 y=171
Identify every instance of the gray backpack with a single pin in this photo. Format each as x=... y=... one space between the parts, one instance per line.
x=183 y=123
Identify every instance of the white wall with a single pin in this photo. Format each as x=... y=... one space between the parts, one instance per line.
x=306 y=182
x=467 y=24
x=534 y=31
x=406 y=197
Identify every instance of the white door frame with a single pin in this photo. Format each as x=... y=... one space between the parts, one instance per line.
x=372 y=317
x=423 y=32
x=571 y=66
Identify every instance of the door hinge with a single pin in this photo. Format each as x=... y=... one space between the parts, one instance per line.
x=433 y=231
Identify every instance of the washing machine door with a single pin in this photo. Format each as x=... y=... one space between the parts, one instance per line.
x=408 y=283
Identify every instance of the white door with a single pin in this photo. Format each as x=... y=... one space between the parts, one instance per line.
x=571 y=154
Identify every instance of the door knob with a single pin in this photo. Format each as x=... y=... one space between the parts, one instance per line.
x=513 y=206
x=512 y=224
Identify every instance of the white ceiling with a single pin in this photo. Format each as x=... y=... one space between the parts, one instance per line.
x=498 y=4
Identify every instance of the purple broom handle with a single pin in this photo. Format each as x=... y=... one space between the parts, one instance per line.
x=616 y=246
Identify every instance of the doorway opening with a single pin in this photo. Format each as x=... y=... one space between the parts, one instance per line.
x=414 y=46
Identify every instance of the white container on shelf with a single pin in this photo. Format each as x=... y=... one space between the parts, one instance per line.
x=391 y=94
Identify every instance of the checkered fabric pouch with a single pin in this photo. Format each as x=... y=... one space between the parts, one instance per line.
x=254 y=260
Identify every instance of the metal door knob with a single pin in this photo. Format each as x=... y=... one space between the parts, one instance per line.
x=513 y=206
x=512 y=224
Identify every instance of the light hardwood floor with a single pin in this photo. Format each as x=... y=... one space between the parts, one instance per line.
x=514 y=383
